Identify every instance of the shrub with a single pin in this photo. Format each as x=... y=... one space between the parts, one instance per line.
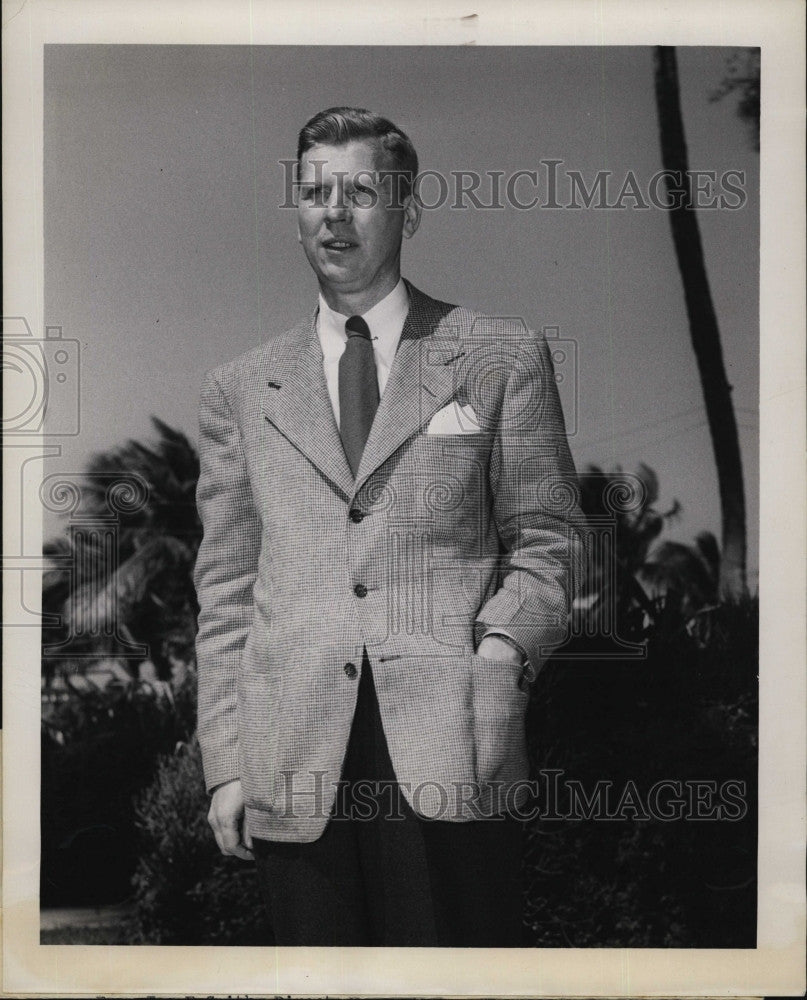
x=687 y=712
x=99 y=748
x=185 y=891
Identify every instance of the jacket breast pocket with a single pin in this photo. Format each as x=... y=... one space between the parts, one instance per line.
x=260 y=718
x=446 y=461
x=443 y=484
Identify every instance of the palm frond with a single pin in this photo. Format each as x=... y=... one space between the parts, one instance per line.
x=103 y=603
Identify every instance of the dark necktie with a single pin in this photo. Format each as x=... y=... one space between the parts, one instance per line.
x=358 y=390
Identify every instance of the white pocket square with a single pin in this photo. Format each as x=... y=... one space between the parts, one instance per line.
x=454 y=419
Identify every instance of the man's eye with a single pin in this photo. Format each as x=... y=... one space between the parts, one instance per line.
x=363 y=197
x=312 y=195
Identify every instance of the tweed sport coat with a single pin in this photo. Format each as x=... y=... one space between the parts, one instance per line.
x=440 y=534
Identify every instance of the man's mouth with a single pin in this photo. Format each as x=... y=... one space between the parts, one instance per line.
x=338 y=245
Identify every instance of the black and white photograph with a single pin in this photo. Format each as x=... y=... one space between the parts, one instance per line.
x=404 y=503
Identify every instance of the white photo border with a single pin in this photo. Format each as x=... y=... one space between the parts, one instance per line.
x=776 y=966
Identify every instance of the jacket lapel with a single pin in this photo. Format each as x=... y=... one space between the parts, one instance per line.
x=297 y=403
x=421 y=381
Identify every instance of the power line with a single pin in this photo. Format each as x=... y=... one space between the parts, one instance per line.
x=640 y=430
x=666 y=437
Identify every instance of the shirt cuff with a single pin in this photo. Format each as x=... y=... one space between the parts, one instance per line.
x=483 y=631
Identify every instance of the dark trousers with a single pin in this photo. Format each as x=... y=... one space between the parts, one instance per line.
x=392 y=878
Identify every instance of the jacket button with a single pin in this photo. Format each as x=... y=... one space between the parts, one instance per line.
x=360 y=590
x=356 y=516
x=350 y=670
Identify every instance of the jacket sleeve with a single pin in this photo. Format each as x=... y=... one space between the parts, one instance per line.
x=225 y=573
x=536 y=510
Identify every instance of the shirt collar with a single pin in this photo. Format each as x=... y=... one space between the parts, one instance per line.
x=386 y=320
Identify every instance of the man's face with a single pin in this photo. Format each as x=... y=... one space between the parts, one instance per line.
x=349 y=223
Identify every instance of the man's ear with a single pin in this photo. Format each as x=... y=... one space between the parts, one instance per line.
x=299 y=234
x=412 y=211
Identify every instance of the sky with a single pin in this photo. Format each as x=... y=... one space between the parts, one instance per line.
x=166 y=253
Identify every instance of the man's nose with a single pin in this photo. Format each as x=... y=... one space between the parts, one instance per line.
x=337 y=208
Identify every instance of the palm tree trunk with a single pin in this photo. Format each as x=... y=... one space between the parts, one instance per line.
x=703 y=326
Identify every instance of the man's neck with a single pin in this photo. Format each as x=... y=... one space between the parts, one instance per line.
x=358 y=303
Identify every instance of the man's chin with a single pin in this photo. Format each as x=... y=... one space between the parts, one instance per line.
x=340 y=262
x=341 y=275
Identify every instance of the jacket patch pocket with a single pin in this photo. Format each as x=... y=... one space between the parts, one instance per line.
x=499 y=709
x=259 y=724
x=447 y=477
x=454 y=445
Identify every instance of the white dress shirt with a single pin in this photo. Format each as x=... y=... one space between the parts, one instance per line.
x=385 y=320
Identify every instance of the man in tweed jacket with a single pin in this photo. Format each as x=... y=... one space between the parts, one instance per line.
x=367 y=637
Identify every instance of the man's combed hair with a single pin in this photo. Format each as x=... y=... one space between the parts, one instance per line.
x=338 y=126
